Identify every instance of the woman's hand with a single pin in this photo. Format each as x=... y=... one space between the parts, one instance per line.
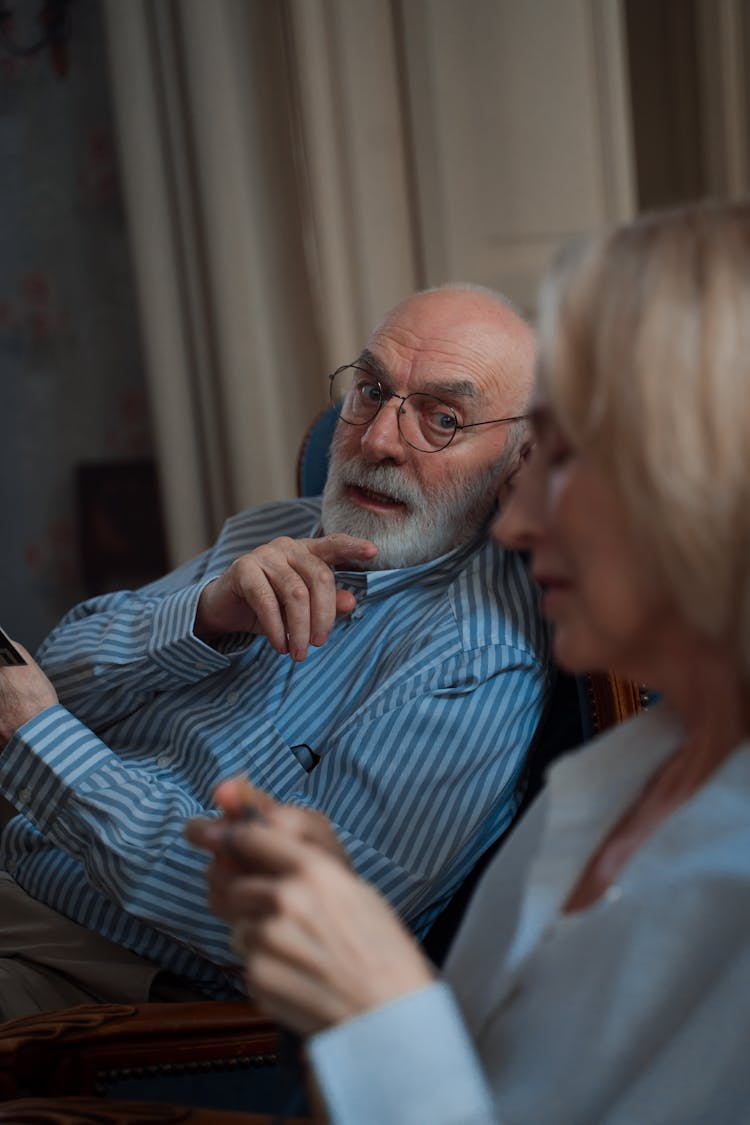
x=320 y=945
x=241 y=801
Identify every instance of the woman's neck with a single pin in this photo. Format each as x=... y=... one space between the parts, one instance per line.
x=706 y=691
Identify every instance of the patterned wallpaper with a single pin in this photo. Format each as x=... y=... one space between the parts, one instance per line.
x=71 y=373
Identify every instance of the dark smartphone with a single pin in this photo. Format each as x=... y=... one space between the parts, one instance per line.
x=9 y=654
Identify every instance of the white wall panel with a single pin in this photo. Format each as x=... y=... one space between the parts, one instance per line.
x=520 y=127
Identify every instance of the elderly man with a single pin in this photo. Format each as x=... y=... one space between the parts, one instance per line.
x=371 y=655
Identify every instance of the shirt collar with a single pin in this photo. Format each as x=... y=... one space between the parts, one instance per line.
x=439 y=571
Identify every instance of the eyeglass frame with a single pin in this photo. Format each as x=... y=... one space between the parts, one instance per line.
x=385 y=395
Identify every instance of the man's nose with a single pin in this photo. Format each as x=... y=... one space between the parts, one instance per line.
x=381 y=440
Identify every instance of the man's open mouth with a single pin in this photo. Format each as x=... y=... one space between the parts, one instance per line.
x=371 y=498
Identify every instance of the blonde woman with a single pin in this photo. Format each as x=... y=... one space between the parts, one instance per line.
x=602 y=973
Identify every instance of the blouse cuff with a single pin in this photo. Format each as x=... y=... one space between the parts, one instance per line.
x=409 y=1061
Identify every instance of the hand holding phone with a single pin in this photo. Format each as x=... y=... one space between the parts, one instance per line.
x=25 y=691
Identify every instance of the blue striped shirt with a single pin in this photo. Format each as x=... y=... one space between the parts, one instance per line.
x=408 y=728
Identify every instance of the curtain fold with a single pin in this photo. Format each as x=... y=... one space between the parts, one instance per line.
x=231 y=339
x=266 y=167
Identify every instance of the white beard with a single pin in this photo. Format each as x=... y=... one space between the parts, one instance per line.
x=432 y=523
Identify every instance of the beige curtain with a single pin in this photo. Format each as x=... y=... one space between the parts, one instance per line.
x=292 y=168
x=253 y=274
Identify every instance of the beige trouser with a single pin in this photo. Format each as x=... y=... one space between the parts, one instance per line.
x=49 y=962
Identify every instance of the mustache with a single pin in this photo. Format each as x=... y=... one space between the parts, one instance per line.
x=382 y=478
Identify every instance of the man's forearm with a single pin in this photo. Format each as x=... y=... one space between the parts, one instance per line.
x=122 y=823
x=110 y=656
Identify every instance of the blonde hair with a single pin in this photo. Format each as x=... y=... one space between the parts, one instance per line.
x=645 y=355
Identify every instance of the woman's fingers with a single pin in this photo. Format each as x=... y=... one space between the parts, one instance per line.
x=320 y=944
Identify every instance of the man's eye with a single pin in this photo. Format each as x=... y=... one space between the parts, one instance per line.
x=440 y=420
x=368 y=392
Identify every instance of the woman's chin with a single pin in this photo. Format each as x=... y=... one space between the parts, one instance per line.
x=575 y=653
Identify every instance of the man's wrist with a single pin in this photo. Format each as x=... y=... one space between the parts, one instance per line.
x=10 y=726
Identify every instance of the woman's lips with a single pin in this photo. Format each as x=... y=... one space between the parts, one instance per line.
x=552 y=590
x=375 y=501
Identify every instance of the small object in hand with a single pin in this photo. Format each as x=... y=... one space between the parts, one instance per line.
x=236 y=799
x=9 y=654
x=250 y=813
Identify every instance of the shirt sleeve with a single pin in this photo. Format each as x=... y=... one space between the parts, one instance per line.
x=111 y=654
x=406 y=1063
x=124 y=823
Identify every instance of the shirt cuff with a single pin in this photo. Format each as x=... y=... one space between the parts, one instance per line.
x=409 y=1061
x=175 y=647
x=46 y=757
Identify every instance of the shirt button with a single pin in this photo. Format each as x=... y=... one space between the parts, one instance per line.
x=163 y=761
x=25 y=795
x=613 y=893
x=233 y=697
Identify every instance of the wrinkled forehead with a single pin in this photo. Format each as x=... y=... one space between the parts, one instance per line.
x=482 y=356
x=448 y=384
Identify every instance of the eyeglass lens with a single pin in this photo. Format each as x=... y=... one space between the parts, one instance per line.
x=425 y=422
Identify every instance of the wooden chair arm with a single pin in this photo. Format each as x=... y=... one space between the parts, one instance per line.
x=613 y=699
x=95 y=1111
x=81 y=1050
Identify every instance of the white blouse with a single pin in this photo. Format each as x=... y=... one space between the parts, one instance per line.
x=636 y=1010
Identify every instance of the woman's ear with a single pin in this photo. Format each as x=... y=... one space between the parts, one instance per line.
x=517 y=464
x=524 y=452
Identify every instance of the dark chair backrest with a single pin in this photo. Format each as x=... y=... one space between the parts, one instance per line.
x=312 y=459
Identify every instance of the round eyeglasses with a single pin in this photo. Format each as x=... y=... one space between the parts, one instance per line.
x=424 y=422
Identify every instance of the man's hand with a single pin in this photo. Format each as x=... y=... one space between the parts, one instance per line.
x=25 y=691
x=285 y=590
